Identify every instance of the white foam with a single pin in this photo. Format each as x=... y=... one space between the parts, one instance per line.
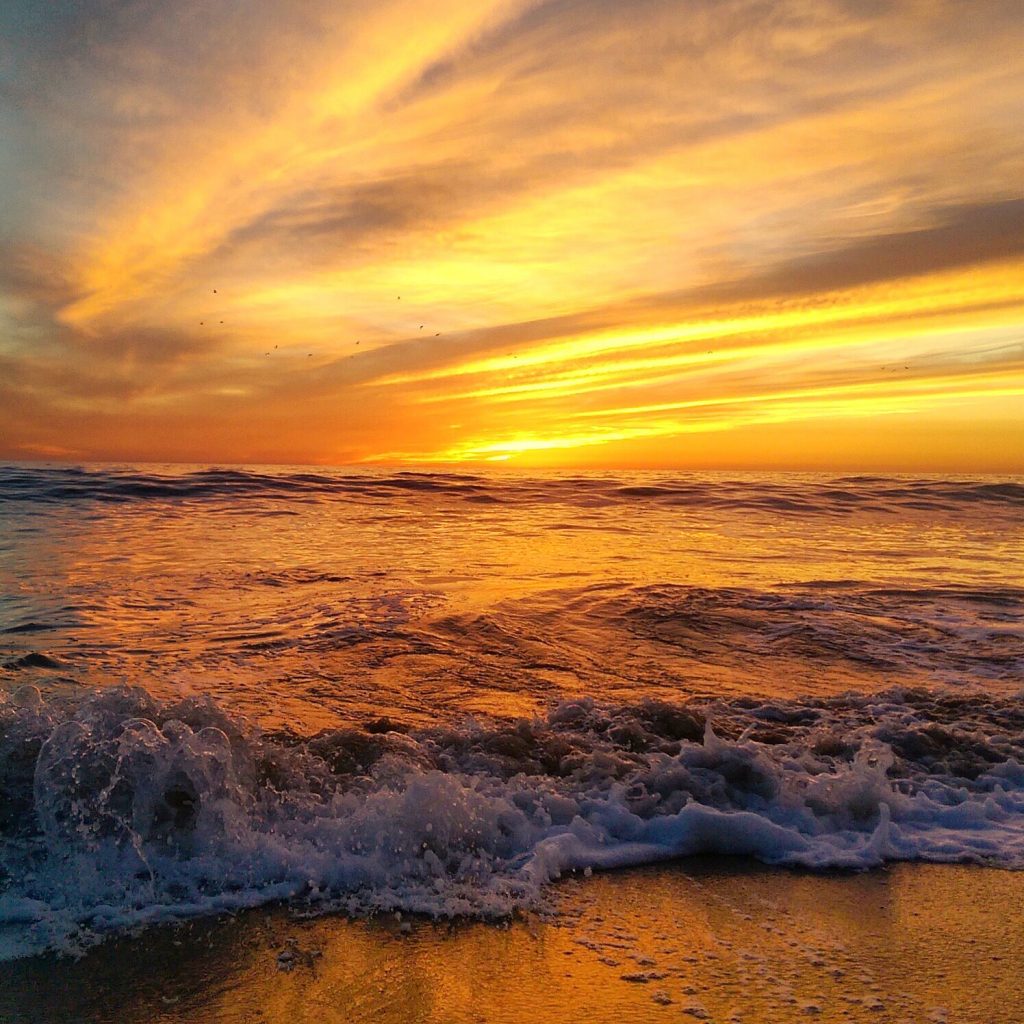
x=134 y=812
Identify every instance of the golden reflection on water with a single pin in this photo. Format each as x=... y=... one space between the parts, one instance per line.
x=309 y=612
x=734 y=941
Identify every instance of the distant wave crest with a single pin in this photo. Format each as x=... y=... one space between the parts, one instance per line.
x=780 y=494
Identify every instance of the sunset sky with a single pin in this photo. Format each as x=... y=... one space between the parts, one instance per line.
x=664 y=233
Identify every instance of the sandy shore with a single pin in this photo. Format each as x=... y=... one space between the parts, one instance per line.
x=699 y=940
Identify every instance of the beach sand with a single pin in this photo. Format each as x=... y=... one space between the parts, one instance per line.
x=696 y=940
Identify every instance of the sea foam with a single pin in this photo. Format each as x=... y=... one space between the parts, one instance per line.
x=118 y=810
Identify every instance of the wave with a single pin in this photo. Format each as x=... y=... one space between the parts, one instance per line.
x=953 y=633
x=118 y=810
x=782 y=494
x=816 y=636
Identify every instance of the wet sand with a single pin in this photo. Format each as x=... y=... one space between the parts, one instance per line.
x=697 y=940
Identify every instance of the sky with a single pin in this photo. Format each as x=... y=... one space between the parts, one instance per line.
x=737 y=234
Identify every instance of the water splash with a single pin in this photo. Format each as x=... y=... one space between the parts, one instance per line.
x=118 y=810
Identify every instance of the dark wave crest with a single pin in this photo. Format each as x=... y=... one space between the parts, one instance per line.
x=795 y=495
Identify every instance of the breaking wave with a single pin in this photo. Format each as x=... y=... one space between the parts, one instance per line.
x=118 y=810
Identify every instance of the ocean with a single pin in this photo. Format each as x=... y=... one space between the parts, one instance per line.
x=362 y=690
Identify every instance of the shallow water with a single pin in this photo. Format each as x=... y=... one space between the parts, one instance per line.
x=366 y=690
x=703 y=940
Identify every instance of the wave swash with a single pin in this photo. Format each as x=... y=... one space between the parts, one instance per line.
x=118 y=810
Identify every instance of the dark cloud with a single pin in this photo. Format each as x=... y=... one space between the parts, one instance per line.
x=961 y=235
x=966 y=234
x=332 y=223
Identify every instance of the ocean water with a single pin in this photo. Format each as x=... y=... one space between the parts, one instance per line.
x=364 y=690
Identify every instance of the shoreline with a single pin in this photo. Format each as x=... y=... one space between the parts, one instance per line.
x=704 y=938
